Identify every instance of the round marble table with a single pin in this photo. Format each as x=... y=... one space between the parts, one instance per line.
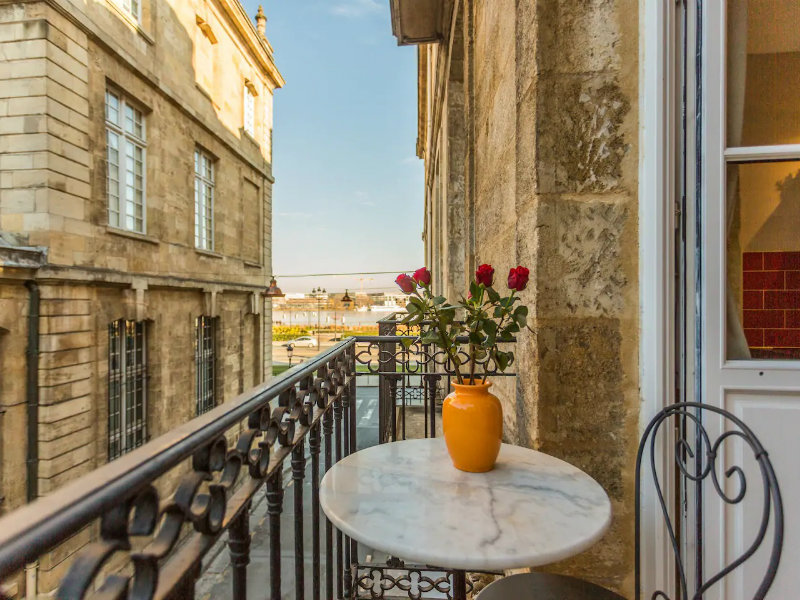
x=407 y=499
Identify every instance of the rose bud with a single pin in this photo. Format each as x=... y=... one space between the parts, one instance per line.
x=485 y=275
x=422 y=276
x=406 y=283
x=518 y=278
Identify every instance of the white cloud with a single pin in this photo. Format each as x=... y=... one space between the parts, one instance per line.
x=356 y=8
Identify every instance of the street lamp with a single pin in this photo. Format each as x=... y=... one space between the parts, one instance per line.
x=273 y=291
x=346 y=299
x=318 y=292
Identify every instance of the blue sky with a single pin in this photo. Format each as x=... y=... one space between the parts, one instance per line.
x=349 y=190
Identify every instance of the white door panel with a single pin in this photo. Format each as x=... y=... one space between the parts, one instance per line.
x=774 y=416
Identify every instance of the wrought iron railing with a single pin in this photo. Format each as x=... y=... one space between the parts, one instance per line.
x=156 y=512
x=152 y=537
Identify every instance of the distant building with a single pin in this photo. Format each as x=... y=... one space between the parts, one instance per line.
x=135 y=210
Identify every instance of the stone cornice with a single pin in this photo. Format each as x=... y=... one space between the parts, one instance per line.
x=22 y=257
x=258 y=45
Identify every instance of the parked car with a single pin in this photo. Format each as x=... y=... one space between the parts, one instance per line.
x=302 y=342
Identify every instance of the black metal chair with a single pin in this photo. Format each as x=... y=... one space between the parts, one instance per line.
x=695 y=457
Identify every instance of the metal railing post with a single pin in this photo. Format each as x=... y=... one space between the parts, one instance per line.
x=239 y=546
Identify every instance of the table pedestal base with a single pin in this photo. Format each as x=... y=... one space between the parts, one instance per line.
x=459 y=585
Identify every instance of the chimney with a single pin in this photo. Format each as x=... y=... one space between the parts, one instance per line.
x=261 y=21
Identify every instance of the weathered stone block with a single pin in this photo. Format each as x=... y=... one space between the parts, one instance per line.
x=585 y=270
x=66 y=341
x=53 y=448
x=63 y=462
x=582 y=133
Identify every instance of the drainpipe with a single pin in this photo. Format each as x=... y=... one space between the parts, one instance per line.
x=32 y=396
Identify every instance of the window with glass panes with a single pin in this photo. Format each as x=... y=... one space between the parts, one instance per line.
x=267 y=126
x=249 y=112
x=127 y=387
x=203 y=200
x=131 y=7
x=125 y=154
x=204 y=353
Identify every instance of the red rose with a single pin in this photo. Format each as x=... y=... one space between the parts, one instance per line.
x=422 y=276
x=518 y=278
x=485 y=275
x=406 y=283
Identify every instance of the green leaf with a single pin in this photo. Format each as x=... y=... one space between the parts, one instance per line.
x=502 y=361
x=475 y=338
x=439 y=300
x=498 y=312
x=417 y=302
x=489 y=326
x=407 y=342
x=494 y=297
x=430 y=337
x=475 y=290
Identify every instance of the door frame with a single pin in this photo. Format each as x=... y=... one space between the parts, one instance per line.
x=659 y=197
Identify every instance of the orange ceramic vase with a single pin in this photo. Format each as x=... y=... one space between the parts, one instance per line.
x=472 y=421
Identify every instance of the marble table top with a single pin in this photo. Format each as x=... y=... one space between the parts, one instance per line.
x=407 y=499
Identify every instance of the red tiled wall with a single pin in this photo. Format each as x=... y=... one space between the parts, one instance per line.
x=771 y=303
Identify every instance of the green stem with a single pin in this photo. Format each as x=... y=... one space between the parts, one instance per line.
x=471 y=345
x=493 y=350
x=445 y=340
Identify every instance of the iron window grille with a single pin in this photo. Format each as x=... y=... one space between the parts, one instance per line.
x=205 y=361
x=127 y=387
x=126 y=149
x=203 y=200
x=249 y=112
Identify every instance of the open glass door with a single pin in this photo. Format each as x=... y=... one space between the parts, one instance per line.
x=749 y=259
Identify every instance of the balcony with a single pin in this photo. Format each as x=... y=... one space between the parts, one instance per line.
x=246 y=475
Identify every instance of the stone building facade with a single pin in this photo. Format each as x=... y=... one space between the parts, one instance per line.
x=135 y=215
x=528 y=129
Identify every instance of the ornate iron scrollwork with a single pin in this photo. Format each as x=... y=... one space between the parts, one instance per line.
x=697 y=457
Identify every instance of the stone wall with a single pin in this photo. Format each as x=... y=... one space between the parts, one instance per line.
x=13 y=416
x=550 y=182
x=57 y=59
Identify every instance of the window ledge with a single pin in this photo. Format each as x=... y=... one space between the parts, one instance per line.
x=132 y=22
x=132 y=235
x=250 y=263
x=246 y=136
x=209 y=253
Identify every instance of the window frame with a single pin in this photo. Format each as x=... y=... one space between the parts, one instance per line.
x=126 y=436
x=128 y=10
x=119 y=129
x=205 y=357
x=267 y=125
x=207 y=219
x=249 y=111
